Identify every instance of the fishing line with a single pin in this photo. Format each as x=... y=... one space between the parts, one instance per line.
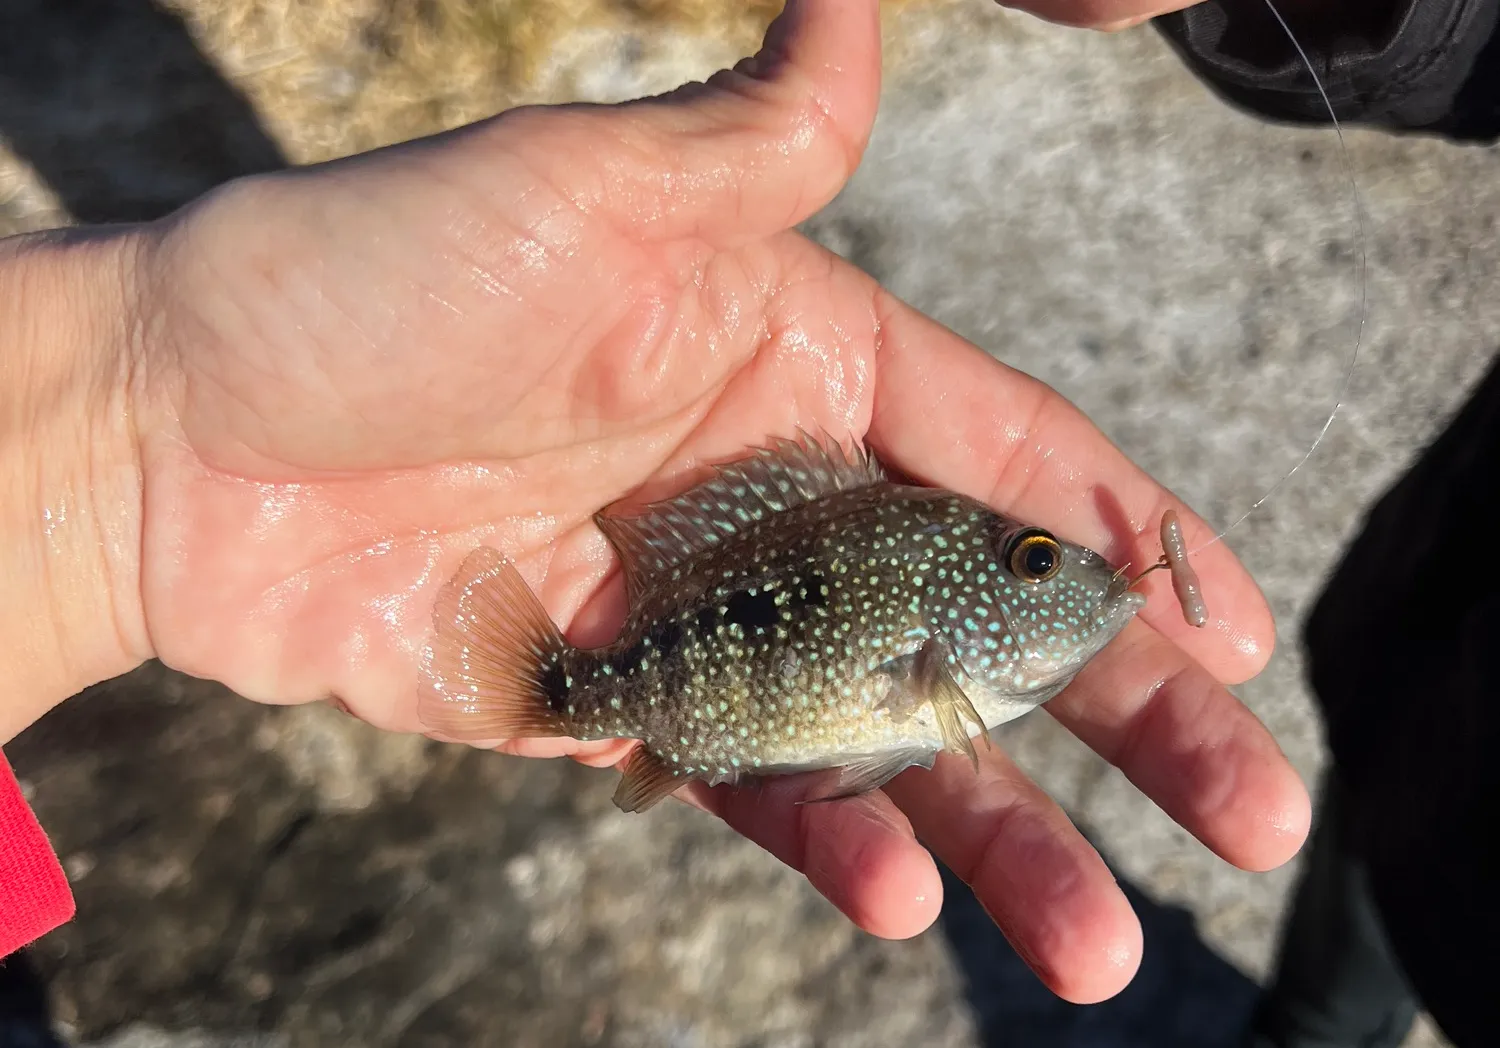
x=1362 y=278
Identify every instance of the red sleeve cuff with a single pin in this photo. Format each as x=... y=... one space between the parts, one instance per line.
x=34 y=893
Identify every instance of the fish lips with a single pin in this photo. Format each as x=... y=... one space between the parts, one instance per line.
x=1119 y=606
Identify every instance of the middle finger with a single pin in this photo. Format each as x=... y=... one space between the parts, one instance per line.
x=1036 y=876
x=1191 y=746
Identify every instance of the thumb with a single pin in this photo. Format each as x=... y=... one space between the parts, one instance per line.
x=754 y=150
x=1109 y=15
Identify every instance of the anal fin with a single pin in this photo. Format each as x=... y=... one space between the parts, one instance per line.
x=646 y=779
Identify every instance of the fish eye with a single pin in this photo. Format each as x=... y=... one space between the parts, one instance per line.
x=1034 y=555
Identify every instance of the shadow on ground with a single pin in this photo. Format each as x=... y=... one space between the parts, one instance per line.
x=219 y=892
x=118 y=111
x=1185 y=995
x=248 y=871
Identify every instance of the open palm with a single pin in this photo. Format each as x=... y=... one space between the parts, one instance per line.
x=361 y=371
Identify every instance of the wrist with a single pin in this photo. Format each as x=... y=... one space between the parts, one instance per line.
x=70 y=477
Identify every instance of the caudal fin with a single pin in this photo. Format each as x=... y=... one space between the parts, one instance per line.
x=494 y=656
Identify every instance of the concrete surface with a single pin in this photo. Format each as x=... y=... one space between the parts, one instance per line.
x=1075 y=203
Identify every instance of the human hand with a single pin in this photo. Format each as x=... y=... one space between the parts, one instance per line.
x=343 y=378
x=1108 y=15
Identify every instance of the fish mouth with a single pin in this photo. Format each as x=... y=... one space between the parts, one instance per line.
x=1122 y=586
x=1120 y=604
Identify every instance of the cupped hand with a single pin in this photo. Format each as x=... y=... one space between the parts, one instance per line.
x=355 y=373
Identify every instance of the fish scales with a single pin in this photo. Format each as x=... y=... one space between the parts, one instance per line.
x=773 y=657
x=799 y=612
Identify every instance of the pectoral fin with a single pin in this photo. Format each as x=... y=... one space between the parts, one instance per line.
x=932 y=682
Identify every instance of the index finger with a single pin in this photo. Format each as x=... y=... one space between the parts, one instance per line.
x=953 y=416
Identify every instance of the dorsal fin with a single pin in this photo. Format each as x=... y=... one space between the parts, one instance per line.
x=774 y=479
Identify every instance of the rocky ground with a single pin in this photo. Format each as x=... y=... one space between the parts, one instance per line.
x=1075 y=203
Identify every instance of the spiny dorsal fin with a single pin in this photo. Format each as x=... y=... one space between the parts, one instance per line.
x=783 y=476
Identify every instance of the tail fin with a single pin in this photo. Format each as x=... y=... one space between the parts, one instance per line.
x=491 y=669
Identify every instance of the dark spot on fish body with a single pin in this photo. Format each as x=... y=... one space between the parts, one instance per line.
x=554 y=683
x=708 y=621
x=752 y=608
x=812 y=593
x=626 y=662
x=764 y=607
x=665 y=635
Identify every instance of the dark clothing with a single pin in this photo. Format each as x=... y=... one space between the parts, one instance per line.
x=1405 y=65
x=1404 y=648
x=1337 y=982
x=1404 y=644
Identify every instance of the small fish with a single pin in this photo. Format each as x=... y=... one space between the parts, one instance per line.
x=800 y=611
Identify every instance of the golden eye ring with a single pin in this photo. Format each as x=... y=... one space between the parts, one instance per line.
x=1034 y=556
